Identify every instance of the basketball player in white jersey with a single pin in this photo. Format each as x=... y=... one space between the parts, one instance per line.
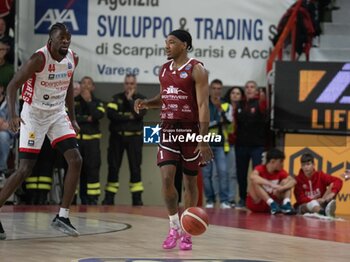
x=47 y=79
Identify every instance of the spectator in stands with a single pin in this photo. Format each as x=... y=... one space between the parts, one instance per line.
x=6 y=73
x=5 y=134
x=6 y=68
x=5 y=7
x=5 y=38
x=233 y=96
x=315 y=191
x=251 y=135
x=76 y=88
x=271 y=186
x=89 y=111
x=218 y=119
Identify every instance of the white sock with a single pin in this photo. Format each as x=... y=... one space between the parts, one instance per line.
x=175 y=221
x=269 y=201
x=286 y=200
x=64 y=212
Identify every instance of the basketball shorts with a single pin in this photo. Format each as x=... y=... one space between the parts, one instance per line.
x=176 y=144
x=38 y=123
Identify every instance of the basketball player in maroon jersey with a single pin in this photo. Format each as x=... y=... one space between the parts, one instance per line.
x=183 y=97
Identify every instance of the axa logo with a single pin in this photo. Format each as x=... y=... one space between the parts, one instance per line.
x=72 y=13
x=333 y=92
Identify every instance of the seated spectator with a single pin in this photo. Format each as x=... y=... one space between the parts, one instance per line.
x=270 y=186
x=315 y=191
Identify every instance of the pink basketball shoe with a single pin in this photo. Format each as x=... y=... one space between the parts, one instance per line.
x=171 y=240
x=186 y=242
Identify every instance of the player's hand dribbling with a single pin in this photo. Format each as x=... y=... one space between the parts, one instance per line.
x=15 y=123
x=205 y=152
x=140 y=104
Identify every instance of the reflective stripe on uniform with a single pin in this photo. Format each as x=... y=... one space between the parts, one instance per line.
x=112 y=187
x=32 y=179
x=129 y=133
x=93 y=192
x=100 y=108
x=89 y=137
x=38 y=186
x=45 y=179
x=93 y=185
x=112 y=106
x=136 y=187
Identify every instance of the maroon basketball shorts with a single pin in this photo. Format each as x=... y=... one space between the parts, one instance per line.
x=178 y=144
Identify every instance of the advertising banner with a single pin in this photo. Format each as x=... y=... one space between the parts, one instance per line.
x=331 y=156
x=231 y=38
x=312 y=97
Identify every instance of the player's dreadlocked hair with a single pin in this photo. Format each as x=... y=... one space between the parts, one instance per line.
x=57 y=26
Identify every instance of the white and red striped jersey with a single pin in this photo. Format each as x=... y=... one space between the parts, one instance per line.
x=47 y=89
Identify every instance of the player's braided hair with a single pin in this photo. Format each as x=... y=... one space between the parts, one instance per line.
x=184 y=36
x=57 y=26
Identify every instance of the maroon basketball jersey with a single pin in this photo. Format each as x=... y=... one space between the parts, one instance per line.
x=178 y=92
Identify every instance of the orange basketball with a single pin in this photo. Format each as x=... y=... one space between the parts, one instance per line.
x=194 y=221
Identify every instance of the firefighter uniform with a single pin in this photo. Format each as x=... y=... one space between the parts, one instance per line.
x=125 y=128
x=39 y=183
x=88 y=115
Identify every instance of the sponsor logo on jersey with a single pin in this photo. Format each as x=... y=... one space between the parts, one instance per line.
x=186 y=109
x=72 y=13
x=70 y=65
x=173 y=107
x=60 y=84
x=188 y=67
x=46 y=97
x=183 y=75
x=173 y=90
x=30 y=142
x=31 y=135
x=61 y=75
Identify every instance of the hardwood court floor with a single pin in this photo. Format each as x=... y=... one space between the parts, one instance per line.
x=109 y=233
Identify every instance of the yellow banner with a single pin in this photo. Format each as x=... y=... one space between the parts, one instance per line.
x=332 y=156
